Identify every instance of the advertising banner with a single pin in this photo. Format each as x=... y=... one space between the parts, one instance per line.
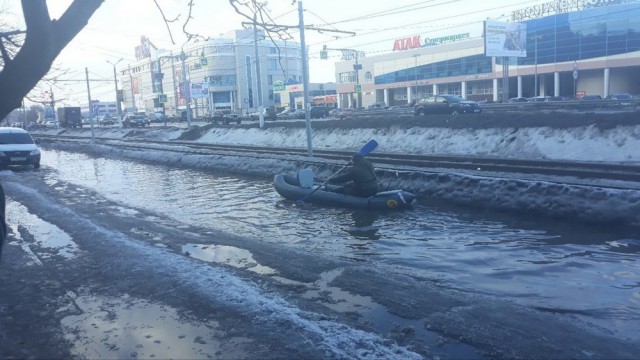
x=505 y=39
x=199 y=90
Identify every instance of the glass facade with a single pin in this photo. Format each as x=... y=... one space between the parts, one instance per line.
x=470 y=65
x=595 y=32
x=600 y=31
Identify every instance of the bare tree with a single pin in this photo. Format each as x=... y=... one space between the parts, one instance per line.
x=27 y=55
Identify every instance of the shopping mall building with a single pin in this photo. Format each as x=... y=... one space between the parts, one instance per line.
x=221 y=73
x=573 y=48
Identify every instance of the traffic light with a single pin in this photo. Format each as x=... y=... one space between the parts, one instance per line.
x=324 y=54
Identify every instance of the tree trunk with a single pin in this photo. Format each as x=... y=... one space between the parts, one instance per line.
x=45 y=39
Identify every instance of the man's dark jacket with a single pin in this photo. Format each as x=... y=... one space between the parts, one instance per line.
x=363 y=176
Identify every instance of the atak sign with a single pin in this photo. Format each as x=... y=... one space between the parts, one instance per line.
x=415 y=42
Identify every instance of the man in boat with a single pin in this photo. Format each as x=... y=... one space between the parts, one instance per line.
x=361 y=179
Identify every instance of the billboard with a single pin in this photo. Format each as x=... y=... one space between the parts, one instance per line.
x=199 y=90
x=505 y=39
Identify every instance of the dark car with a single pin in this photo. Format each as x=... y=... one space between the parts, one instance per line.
x=107 y=120
x=445 y=104
x=623 y=99
x=268 y=114
x=226 y=117
x=135 y=121
x=317 y=112
x=18 y=148
x=590 y=98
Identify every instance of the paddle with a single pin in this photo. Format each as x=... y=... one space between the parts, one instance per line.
x=364 y=151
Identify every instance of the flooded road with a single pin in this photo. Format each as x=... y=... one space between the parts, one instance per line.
x=566 y=270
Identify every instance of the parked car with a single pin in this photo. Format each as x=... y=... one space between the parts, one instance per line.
x=559 y=98
x=268 y=114
x=225 y=116
x=287 y=114
x=518 y=99
x=539 y=99
x=135 y=121
x=445 y=104
x=52 y=124
x=317 y=112
x=623 y=99
x=18 y=148
x=377 y=106
x=158 y=117
x=591 y=98
x=107 y=120
x=344 y=113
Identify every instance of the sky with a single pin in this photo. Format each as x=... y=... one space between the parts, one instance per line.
x=116 y=28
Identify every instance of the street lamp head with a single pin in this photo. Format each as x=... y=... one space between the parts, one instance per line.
x=116 y=63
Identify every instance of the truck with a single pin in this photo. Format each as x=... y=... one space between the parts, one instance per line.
x=70 y=117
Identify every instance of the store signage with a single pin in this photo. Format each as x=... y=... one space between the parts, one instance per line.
x=445 y=39
x=415 y=42
x=278 y=85
x=407 y=43
x=559 y=7
x=295 y=88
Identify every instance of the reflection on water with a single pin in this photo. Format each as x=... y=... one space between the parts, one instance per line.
x=135 y=329
x=30 y=230
x=535 y=262
x=228 y=255
x=363 y=225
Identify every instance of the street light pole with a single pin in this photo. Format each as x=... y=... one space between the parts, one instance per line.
x=186 y=87
x=535 y=79
x=415 y=73
x=115 y=81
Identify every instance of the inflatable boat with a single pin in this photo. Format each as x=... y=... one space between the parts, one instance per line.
x=301 y=187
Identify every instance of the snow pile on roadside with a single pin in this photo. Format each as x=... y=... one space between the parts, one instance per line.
x=619 y=144
x=586 y=143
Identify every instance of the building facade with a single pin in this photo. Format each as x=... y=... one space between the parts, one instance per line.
x=221 y=72
x=573 y=48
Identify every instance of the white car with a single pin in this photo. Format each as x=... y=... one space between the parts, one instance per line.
x=52 y=124
x=18 y=148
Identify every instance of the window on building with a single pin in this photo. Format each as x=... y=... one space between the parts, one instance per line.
x=368 y=76
x=222 y=80
x=273 y=50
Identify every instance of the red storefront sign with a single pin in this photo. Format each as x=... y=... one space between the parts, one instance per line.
x=407 y=43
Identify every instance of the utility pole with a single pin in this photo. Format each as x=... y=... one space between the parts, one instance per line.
x=305 y=65
x=575 y=78
x=133 y=99
x=357 y=68
x=305 y=79
x=93 y=135
x=115 y=81
x=415 y=73
x=257 y=59
x=175 y=92
x=186 y=87
x=535 y=80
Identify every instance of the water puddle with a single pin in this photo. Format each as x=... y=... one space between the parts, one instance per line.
x=123 y=328
x=380 y=318
x=228 y=255
x=41 y=234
